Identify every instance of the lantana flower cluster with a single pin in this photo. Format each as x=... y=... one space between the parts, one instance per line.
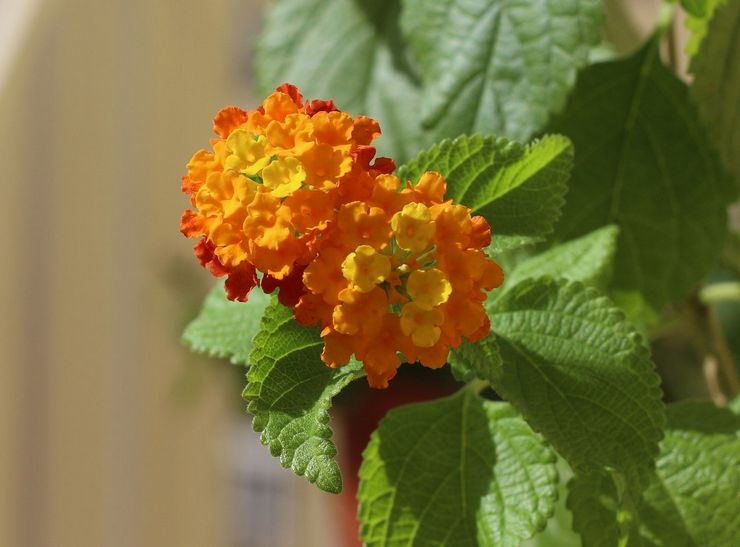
x=291 y=197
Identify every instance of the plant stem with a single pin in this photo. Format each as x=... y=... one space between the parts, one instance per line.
x=711 y=341
x=720 y=291
x=718 y=344
x=477 y=385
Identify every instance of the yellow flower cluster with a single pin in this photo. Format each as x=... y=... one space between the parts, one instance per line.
x=383 y=266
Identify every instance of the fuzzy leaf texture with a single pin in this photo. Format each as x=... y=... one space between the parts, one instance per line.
x=224 y=328
x=497 y=66
x=588 y=259
x=580 y=375
x=599 y=516
x=519 y=189
x=692 y=499
x=349 y=51
x=475 y=360
x=644 y=164
x=454 y=472
x=716 y=87
x=289 y=391
x=559 y=530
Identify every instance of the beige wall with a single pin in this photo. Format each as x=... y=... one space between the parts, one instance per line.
x=110 y=432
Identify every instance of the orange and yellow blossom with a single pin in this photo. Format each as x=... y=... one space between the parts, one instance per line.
x=404 y=279
x=387 y=269
x=267 y=190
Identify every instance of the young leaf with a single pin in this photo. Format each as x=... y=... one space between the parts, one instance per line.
x=644 y=164
x=289 y=391
x=519 y=189
x=716 y=87
x=579 y=374
x=587 y=259
x=348 y=51
x=457 y=471
x=693 y=499
x=497 y=66
x=224 y=328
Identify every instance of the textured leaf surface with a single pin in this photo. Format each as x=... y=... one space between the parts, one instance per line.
x=348 y=51
x=587 y=259
x=644 y=163
x=716 y=86
x=224 y=328
x=497 y=66
x=579 y=374
x=478 y=360
x=289 y=391
x=559 y=530
x=455 y=472
x=519 y=189
x=598 y=515
x=693 y=499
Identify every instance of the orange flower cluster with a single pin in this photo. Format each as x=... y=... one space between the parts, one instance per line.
x=383 y=266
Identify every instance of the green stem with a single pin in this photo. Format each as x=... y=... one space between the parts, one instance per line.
x=711 y=341
x=477 y=385
x=718 y=292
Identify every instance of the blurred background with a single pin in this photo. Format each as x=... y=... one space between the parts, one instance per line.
x=112 y=433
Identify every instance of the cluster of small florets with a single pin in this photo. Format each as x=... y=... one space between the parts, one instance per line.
x=385 y=267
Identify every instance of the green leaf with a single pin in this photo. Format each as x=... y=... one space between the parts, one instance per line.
x=224 y=328
x=559 y=530
x=475 y=360
x=457 y=471
x=348 y=51
x=519 y=189
x=580 y=375
x=637 y=310
x=697 y=8
x=592 y=499
x=716 y=87
x=587 y=259
x=599 y=515
x=289 y=391
x=693 y=499
x=644 y=164
x=698 y=21
x=497 y=66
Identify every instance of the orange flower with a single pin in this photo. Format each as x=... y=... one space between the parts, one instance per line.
x=388 y=269
x=360 y=224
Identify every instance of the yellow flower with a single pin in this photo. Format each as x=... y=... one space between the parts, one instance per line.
x=422 y=325
x=248 y=152
x=283 y=176
x=428 y=288
x=365 y=268
x=413 y=227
